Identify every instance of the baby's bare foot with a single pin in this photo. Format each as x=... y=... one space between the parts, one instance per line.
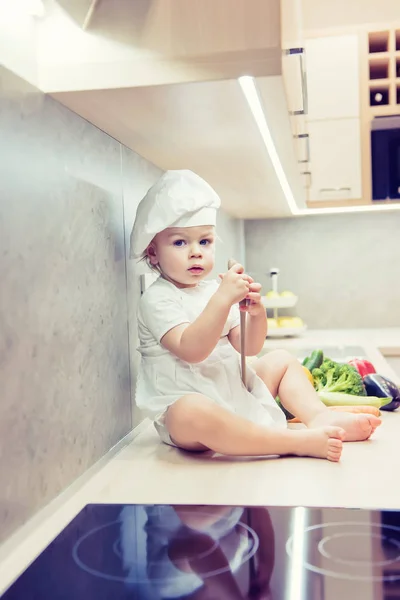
x=358 y=427
x=324 y=442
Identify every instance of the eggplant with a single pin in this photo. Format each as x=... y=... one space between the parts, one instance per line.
x=378 y=385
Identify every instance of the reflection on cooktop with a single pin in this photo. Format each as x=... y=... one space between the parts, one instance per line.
x=158 y=552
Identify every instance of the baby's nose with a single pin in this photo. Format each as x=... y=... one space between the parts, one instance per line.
x=195 y=250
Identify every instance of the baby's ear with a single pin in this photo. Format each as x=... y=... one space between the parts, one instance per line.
x=152 y=254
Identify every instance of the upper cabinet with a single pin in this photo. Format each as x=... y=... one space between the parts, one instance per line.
x=333 y=77
x=136 y=43
x=173 y=95
x=333 y=128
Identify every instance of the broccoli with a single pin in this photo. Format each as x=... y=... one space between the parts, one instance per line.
x=328 y=364
x=335 y=377
x=319 y=378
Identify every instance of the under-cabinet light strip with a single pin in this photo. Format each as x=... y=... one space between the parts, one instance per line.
x=350 y=209
x=252 y=96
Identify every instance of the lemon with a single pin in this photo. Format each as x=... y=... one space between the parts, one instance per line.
x=290 y=322
x=297 y=322
x=287 y=294
x=285 y=321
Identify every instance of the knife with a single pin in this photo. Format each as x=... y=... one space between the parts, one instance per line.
x=243 y=302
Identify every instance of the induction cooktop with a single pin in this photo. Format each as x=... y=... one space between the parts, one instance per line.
x=155 y=552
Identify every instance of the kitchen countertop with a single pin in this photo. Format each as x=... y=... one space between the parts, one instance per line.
x=364 y=478
x=146 y=471
x=376 y=343
x=385 y=339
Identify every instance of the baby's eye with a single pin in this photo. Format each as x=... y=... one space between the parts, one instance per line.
x=179 y=243
x=205 y=242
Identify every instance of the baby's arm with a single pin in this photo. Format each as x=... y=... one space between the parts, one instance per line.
x=194 y=342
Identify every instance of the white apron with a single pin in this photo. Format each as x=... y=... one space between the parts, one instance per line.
x=218 y=377
x=163 y=378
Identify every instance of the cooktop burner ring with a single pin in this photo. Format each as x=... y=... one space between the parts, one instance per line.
x=129 y=579
x=349 y=561
x=330 y=572
x=118 y=552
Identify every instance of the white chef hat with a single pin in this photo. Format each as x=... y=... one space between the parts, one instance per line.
x=177 y=199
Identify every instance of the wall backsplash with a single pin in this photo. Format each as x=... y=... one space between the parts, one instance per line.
x=344 y=268
x=66 y=394
x=64 y=359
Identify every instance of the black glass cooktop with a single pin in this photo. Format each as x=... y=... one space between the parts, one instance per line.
x=121 y=552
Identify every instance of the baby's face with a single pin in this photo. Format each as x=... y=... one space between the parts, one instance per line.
x=185 y=255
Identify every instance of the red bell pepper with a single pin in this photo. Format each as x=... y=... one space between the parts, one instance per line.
x=364 y=367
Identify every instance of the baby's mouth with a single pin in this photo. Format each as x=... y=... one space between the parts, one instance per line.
x=196 y=269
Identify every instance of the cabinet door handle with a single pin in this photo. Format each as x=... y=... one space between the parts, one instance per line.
x=301 y=54
x=304 y=136
x=309 y=176
x=335 y=189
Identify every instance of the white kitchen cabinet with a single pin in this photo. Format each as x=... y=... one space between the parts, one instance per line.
x=335 y=155
x=293 y=70
x=332 y=67
x=292 y=31
x=157 y=42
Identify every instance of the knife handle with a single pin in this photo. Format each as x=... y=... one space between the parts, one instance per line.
x=232 y=262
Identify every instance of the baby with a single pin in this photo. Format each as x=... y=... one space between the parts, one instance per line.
x=189 y=381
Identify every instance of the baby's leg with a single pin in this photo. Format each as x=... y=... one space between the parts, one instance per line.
x=195 y=423
x=285 y=377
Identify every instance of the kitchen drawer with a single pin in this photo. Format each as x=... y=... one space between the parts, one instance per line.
x=335 y=160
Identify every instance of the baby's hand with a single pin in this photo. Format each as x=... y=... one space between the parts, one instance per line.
x=235 y=285
x=254 y=306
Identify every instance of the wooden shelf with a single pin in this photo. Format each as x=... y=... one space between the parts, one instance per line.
x=339 y=203
x=374 y=83
x=379 y=55
x=383 y=71
x=384 y=111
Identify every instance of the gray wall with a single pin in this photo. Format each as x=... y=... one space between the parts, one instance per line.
x=68 y=295
x=394 y=362
x=344 y=268
x=64 y=356
x=134 y=189
x=230 y=242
